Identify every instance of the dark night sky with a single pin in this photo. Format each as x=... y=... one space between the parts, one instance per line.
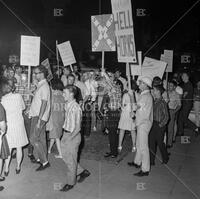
x=162 y=14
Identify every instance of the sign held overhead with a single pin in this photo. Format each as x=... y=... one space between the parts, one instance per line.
x=122 y=12
x=30 y=51
x=66 y=53
x=103 y=36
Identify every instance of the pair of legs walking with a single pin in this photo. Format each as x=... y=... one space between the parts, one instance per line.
x=121 y=138
x=156 y=137
x=7 y=161
x=38 y=140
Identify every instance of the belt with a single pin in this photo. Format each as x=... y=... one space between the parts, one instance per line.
x=67 y=131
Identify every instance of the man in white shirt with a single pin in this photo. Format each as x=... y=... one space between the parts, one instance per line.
x=144 y=120
x=39 y=113
x=71 y=139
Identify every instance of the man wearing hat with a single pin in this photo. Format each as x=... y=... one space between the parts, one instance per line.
x=144 y=120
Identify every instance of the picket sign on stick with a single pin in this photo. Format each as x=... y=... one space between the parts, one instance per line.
x=71 y=68
x=29 y=53
x=103 y=55
x=57 y=58
x=29 y=77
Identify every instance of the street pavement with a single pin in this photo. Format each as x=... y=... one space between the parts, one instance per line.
x=179 y=179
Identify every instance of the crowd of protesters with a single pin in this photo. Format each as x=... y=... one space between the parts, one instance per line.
x=69 y=106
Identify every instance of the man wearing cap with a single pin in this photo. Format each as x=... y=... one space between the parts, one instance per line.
x=144 y=120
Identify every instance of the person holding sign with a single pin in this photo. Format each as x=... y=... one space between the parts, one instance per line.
x=144 y=120
x=39 y=113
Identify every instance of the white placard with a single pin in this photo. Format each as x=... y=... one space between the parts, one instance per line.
x=168 y=58
x=153 y=67
x=66 y=53
x=136 y=69
x=122 y=11
x=30 y=51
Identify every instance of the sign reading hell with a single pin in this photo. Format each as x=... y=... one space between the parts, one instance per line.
x=103 y=36
x=122 y=12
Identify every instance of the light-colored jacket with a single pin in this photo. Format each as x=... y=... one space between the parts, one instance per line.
x=144 y=114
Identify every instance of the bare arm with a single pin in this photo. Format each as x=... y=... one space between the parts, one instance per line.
x=2 y=127
x=77 y=129
x=42 y=111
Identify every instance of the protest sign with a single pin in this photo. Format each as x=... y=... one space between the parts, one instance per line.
x=136 y=69
x=48 y=67
x=124 y=33
x=168 y=58
x=103 y=36
x=30 y=50
x=152 y=67
x=66 y=53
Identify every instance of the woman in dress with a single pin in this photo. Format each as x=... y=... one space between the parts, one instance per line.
x=57 y=116
x=127 y=120
x=4 y=149
x=16 y=134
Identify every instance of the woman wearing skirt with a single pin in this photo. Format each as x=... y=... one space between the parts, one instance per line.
x=4 y=149
x=126 y=122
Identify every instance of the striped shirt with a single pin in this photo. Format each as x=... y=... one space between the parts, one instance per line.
x=73 y=116
x=160 y=112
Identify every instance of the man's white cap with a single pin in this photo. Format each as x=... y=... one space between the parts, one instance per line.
x=145 y=79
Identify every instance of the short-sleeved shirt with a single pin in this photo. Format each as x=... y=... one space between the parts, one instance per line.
x=73 y=116
x=42 y=93
x=2 y=113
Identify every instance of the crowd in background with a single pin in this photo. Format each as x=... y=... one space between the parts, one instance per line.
x=154 y=111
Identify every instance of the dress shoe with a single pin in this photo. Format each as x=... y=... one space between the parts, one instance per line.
x=83 y=176
x=141 y=174
x=107 y=154
x=165 y=161
x=43 y=167
x=18 y=171
x=66 y=188
x=2 y=178
x=110 y=155
x=6 y=173
x=34 y=161
x=132 y=164
x=1 y=188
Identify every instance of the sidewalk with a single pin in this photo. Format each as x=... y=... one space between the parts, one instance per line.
x=180 y=179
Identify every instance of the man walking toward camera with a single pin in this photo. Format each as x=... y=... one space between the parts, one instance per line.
x=71 y=139
x=39 y=113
